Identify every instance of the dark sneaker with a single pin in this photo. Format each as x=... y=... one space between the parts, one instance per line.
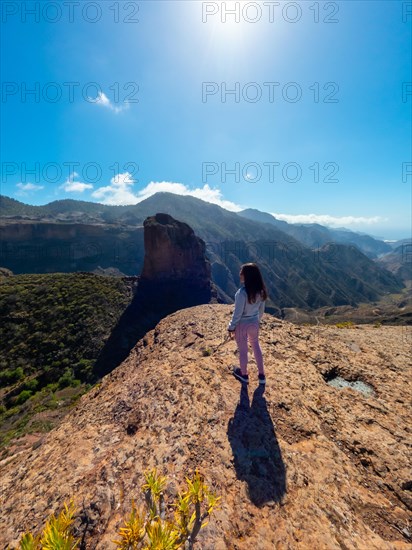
x=242 y=377
x=262 y=379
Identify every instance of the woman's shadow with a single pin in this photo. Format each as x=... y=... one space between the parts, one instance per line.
x=257 y=455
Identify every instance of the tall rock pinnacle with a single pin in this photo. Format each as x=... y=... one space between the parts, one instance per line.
x=176 y=275
x=173 y=251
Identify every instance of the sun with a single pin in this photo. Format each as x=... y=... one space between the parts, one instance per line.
x=227 y=37
x=229 y=28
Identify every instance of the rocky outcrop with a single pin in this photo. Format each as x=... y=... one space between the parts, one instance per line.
x=173 y=252
x=4 y=272
x=299 y=466
x=176 y=275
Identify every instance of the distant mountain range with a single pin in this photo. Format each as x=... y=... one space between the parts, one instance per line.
x=306 y=266
x=312 y=235
x=315 y=235
x=399 y=261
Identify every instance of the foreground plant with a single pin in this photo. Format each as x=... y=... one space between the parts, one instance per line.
x=133 y=533
x=56 y=534
x=152 y=530
x=147 y=527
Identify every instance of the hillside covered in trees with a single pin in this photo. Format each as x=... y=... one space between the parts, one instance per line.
x=53 y=328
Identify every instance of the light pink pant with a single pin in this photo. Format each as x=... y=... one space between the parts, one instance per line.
x=244 y=331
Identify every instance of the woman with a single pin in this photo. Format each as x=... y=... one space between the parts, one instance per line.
x=249 y=308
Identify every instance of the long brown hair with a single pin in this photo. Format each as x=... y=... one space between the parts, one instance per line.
x=253 y=282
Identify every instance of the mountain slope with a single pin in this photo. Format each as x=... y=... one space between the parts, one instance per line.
x=316 y=235
x=12 y=207
x=399 y=261
x=53 y=329
x=301 y=465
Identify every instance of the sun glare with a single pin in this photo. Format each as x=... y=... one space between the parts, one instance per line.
x=229 y=27
x=227 y=35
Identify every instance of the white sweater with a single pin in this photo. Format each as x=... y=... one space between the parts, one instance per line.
x=245 y=312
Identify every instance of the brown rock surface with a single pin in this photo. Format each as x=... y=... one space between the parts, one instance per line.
x=302 y=465
x=173 y=251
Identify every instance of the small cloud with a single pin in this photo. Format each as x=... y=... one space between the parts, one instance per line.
x=26 y=189
x=104 y=101
x=29 y=186
x=71 y=186
x=326 y=219
x=118 y=192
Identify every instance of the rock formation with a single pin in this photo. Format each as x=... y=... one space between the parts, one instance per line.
x=302 y=465
x=173 y=252
x=176 y=275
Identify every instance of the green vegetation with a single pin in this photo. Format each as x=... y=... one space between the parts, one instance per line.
x=56 y=534
x=12 y=207
x=147 y=527
x=346 y=324
x=53 y=329
x=37 y=413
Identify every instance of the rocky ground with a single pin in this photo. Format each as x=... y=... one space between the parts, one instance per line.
x=299 y=465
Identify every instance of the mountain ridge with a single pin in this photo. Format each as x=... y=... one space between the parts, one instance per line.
x=296 y=274
x=8 y=206
x=316 y=235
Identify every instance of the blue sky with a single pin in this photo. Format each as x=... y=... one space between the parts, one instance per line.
x=318 y=127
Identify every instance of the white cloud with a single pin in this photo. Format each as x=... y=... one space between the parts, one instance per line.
x=204 y=193
x=29 y=186
x=326 y=219
x=104 y=101
x=119 y=192
x=26 y=189
x=72 y=186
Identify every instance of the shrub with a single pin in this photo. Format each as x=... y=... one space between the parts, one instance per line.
x=9 y=376
x=66 y=379
x=31 y=384
x=23 y=396
x=162 y=532
x=84 y=369
x=148 y=528
x=346 y=324
x=56 y=534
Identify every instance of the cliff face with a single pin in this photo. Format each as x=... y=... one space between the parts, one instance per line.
x=301 y=465
x=41 y=247
x=173 y=251
x=176 y=275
